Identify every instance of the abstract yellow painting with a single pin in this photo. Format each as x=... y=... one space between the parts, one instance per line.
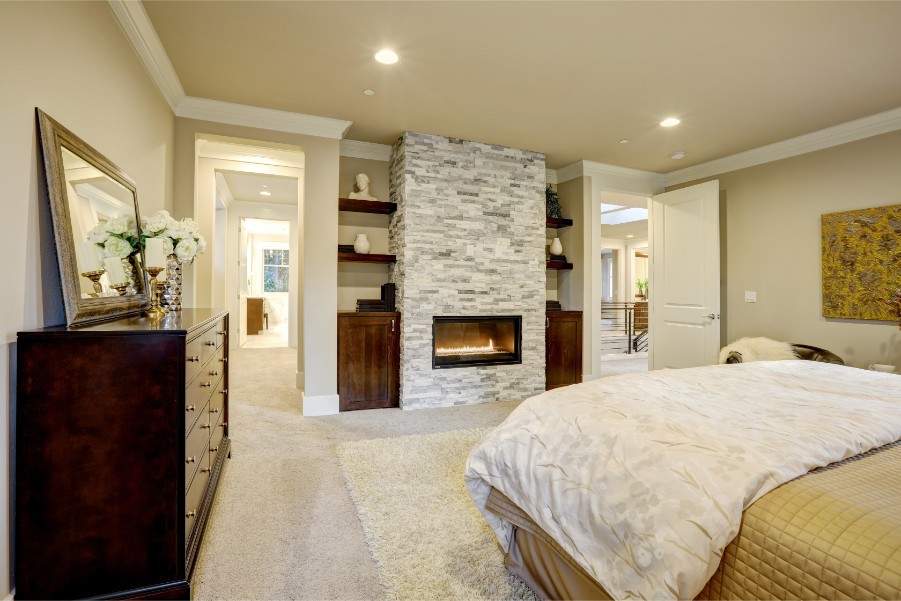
x=861 y=262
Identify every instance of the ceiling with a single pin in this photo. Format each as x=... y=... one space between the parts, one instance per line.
x=569 y=79
x=247 y=187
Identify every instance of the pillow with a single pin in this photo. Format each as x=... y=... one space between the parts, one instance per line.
x=745 y=350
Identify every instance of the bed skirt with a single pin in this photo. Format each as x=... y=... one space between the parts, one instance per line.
x=832 y=533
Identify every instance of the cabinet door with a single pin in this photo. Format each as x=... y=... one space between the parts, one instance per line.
x=368 y=361
x=563 y=349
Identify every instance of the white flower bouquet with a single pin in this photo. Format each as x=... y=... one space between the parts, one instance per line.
x=180 y=238
x=116 y=237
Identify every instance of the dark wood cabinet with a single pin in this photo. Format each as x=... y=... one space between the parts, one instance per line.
x=368 y=360
x=121 y=438
x=254 y=315
x=563 y=351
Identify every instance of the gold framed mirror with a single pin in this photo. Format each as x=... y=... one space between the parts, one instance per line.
x=96 y=226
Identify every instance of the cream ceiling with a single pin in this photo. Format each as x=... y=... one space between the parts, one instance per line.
x=569 y=79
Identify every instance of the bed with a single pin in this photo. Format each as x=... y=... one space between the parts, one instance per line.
x=760 y=480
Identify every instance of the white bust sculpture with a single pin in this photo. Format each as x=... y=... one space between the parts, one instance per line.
x=363 y=188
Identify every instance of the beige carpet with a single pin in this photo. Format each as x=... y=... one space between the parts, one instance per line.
x=283 y=525
x=427 y=537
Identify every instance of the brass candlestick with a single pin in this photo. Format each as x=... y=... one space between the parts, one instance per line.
x=160 y=286
x=155 y=311
x=122 y=288
x=94 y=276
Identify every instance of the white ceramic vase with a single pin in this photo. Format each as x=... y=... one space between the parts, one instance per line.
x=556 y=247
x=361 y=244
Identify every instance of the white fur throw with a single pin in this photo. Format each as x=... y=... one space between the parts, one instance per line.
x=758 y=349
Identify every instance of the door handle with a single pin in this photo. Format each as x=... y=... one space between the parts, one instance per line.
x=713 y=316
x=392 y=325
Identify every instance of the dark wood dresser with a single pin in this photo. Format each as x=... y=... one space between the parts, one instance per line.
x=121 y=438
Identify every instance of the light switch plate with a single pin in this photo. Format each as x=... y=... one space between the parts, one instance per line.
x=750 y=296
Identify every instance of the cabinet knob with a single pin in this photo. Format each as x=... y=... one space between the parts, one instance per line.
x=210 y=343
x=223 y=391
x=194 y=359
x=216 y=410
x=214 y=373
x=206 y=384
x=190 y=514
x=191 y=459
x=214 y=449
x=206 y=470
x=191 y=408
x=224 y=359
x=223 y=424
x=205 y=426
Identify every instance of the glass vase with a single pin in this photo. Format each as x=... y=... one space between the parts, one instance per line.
x=173 y=290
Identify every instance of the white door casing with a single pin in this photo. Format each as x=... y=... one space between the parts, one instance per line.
x=685 y=277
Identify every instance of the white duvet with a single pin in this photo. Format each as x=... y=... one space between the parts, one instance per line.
x=642 y=479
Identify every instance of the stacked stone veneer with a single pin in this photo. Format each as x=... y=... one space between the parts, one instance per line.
x=469 y=235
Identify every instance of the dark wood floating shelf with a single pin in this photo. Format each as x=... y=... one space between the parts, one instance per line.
x=559 y=265
x=556 y=222
x=355 y=205
x=360 y=258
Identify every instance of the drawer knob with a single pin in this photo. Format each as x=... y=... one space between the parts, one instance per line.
x=223 y=391
x=206 y=470
x=214 y=373
x=214 y=449
x=191 y=459
x=221 y=333
x=194 y=359
x=190 y=514
x=206 y=384
x=223 y=425
x=191 y=407
x=210 y=343
x=216 y=410
x=205 y=426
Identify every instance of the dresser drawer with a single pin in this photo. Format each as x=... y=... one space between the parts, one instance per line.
x=196 y=396
x=215 y=369
x=192 y=359
x=207 y=345
x=221 y=333
x=194 y=497
x=217 y=403
x=196 y=447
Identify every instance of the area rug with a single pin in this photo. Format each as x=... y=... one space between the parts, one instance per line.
x=426 y=536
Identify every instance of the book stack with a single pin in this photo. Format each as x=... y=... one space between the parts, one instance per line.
x=557 y=259
x=379 y=305
x=346 y=248
x=553 y=305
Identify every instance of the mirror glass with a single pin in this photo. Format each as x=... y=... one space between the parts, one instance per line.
x=96 y=228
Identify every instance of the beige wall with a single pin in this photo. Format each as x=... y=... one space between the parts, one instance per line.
x=362 y=280
x=71 y=60
x=771 y=245
x=318 y=226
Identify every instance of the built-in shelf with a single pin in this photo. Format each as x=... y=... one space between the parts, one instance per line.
x=559 y=265
x=361 y=258
x=558 y=222
x=355 y=205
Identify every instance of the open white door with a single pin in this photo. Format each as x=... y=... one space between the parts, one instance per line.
x=685 y=277
x=242 y=284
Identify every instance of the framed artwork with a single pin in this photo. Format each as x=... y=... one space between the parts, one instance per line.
x=861 y=262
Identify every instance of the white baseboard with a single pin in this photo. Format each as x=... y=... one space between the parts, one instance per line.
x=324 y=404
x=11 y=596
x=299 y=379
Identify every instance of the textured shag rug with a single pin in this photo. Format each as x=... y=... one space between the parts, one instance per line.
x=427 y=538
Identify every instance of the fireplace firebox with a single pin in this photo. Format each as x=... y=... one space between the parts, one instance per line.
x=469 y=341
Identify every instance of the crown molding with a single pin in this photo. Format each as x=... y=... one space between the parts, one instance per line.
x=564 y=174
x=590 y=168
x=365 y=150
x=550 y=176
x=851 y=131
x=136 y=25
x=253 y=116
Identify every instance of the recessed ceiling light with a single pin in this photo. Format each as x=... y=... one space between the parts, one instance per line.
x=386 y=57
x=369 y=92
x=265 y=185
x=679 y=154
x=624 y=141
x=630 y=235
x=669 y=122
x=265 y=193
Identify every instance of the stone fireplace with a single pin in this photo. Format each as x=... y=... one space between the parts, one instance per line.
x=469 y=341
x=469 y=236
